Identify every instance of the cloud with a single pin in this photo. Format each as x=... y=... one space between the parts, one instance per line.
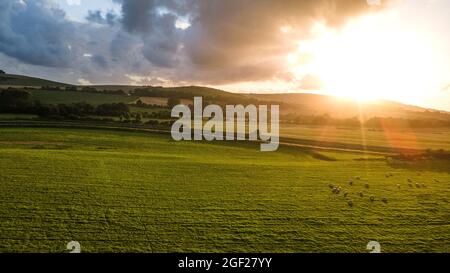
x=446 y=88
x=137 y=14
x=84 y=82
x=97 y=17
x=73 y=2
x=183 y=41
x=100 y=60
x=229 y=35
x=36 y=33
x=311 y=82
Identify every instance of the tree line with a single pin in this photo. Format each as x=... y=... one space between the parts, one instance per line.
x=19 y=101
x=374 y=122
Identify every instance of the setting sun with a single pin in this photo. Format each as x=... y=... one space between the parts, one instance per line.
x=367 y=60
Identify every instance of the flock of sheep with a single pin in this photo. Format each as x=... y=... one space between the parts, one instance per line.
x=337 y=189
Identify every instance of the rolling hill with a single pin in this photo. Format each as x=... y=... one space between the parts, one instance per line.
x=291 y=103
x=315 y=104
x=20 y=80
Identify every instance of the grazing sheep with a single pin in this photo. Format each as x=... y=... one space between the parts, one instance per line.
x=372 y=198
x=384 y=199
x=336 y=190
x=361 y=194
x=423 y=185
x=331 y=186
x=398 y=186
x=435 y=180
x=417 y=185
x=366 y=185
x=409 y=180
x=345 y=194
x=358 y=178
x=350 y=203
x=350 y=183
x=410 y=185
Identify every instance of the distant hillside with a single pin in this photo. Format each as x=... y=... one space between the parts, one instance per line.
x=315 y=104
x=291 y=103
x=19 y=80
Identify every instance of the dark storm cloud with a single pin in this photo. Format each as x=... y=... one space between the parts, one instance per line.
x=161 y=46
x=154 y=22
x=137 y=15
x=35 y=33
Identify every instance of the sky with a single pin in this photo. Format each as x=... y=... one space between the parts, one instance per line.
x=360 y=49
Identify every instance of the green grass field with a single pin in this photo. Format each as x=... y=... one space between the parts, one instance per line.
x=68 y=97
x=141 y=192
x=421 y=139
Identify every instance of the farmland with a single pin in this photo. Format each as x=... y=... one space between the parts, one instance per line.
x=142 y=192
x=68 y=97
x=408 y=138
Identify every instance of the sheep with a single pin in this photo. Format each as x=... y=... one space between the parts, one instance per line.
x=366 y=185
x=350 y=182
x=435 y=180
x=336 y=190
x=410 y=185
x=350 y=203
x=358 y=178
x=345 y=194
x=398 y=186
x=331 y=186
x=372 y=198
x=409 y=180
x=384 y=199
x=417 y=185
x=361 y=194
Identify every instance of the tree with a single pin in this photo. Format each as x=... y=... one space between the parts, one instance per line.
x=172 y=102
x=139 y=102
x=138 y=118
x=2 y=72
x=11 y=99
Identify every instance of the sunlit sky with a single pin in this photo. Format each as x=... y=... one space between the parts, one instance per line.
x=400 y=54
x=399 y=51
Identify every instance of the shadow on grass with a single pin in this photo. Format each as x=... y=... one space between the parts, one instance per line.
x=434 y=165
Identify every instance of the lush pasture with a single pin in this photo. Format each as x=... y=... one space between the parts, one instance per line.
x=123 y=191
x=432 y=138
x=68 y=97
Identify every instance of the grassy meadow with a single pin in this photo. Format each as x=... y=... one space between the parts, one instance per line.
x=401 y=138
x=68 y=97
x=141 y=192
